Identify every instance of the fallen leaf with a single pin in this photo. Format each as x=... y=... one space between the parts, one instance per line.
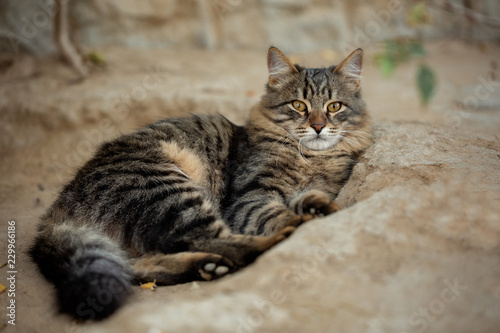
x=2 y=288
x=96 y=57
x=149 y=285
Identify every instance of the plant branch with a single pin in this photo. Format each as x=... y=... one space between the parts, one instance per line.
x=66 y=48
x=470 y=14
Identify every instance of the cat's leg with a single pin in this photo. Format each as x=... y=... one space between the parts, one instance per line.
x=267 y=213
x=240 y=249
x=222 y=251
x=193 y=224
x=169 y=269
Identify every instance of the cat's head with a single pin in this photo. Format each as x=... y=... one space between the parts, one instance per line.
x=321 y=108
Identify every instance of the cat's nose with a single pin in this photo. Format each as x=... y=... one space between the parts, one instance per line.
x=318 y=127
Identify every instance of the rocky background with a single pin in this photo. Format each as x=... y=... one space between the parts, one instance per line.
x=296 y=25
x=417 y=244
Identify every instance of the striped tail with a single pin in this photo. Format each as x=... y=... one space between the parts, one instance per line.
x=89 y=271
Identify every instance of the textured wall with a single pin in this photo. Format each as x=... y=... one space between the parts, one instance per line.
x=294 y=25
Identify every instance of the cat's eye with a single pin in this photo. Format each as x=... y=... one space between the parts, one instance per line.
x=299 y=106
x=334 y=107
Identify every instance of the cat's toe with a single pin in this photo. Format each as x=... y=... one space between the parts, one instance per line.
x=333 y=207
x=285 y=233
x=299 y=219
x=221 y=270
x=210 y=267
x=214 y=266
x=319 y=206
x=327 y=209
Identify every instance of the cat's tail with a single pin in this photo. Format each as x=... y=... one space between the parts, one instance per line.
x=89 y=270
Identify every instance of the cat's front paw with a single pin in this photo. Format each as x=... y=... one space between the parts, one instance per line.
x=315 y=204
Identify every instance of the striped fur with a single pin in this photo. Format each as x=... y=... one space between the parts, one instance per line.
x=196 y=198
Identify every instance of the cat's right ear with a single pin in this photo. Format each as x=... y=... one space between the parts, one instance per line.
x=279 y=66
x=351 y=67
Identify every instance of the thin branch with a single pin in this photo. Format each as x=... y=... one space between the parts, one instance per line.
x=470 y=14
x=66 y=48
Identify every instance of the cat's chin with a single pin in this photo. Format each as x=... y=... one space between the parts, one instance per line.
x=319 y=143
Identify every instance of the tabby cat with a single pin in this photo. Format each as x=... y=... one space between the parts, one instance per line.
x=197 y=198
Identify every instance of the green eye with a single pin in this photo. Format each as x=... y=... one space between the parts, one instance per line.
x=334 y=107
x=299 y=106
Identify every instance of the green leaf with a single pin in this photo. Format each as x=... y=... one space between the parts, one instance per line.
x=386 y=64
x=415 y=48
x=427 y=83
x=418 y=14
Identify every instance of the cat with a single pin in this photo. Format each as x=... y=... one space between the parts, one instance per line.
x=197 y=198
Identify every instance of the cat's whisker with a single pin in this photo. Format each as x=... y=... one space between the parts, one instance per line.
x=289 y=137
x=275 y=142
x=349 y=140
x=300 y=152
x=360 y=133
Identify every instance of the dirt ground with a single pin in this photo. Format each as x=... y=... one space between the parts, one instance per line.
x=415 y=249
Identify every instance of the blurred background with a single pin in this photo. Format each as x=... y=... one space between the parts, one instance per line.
x=296 y=25
x=81 y=60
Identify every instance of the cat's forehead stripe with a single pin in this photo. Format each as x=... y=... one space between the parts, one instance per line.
x=316 y=81
x=322 y=86
x=312 y=85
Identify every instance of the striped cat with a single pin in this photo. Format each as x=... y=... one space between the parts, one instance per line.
x=197 y=198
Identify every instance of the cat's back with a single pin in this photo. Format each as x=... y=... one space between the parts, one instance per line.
x=138 y=168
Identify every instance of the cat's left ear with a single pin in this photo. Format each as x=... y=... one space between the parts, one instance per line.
x=351 y=67
x=279 y=66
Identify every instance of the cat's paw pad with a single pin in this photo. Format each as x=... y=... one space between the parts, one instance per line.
x=214 y=266
x=218 y=270
x=317 y=204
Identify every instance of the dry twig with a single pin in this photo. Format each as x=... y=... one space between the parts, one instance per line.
x=66 y=48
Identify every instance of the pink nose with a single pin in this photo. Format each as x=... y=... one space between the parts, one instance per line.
x=318 y=127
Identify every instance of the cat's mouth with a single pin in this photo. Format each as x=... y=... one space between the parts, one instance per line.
x=319 y=141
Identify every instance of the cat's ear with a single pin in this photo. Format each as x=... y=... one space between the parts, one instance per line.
x=279 y=66
x=351 y=67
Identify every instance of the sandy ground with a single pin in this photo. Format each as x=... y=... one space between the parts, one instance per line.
x=415 y=249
